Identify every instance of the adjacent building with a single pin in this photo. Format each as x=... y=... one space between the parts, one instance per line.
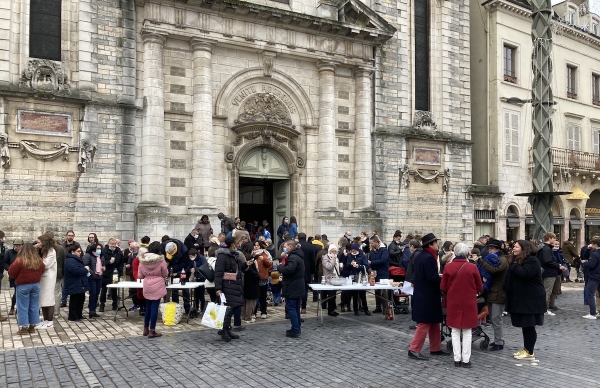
x=501 y=50
x=128 y=118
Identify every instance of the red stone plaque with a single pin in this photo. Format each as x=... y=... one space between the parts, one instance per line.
x=431 y=156
x=44 y=123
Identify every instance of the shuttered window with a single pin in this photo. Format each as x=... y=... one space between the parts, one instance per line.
x=573 y=137
x=511 y=136
x=596 y=139
x=44 y=29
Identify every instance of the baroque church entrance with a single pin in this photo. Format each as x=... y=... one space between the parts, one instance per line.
x=264 y=188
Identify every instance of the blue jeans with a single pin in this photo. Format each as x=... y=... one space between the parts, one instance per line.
x=590 y=288
x=28 y=304
x=63 y=298
x=151 y=313
x=293 y=309
x=585 y=295
x=95 y=286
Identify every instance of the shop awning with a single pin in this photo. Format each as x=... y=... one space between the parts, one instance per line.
x=592 y=221
x=529 y=221
x=575 y=224
x=577 y=194
x=559 y=221
x=513 y=222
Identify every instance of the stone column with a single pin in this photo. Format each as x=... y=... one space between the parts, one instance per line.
x=327 y=155
x=153 y=139
x=202 y=126
x=363 y=164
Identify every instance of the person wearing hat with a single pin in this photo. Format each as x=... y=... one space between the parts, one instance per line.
x=493 y=269
x=356 y=262
x=427 y=301
x=10 y=255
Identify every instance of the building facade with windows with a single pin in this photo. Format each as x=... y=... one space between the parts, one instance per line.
x=503 y=134
x=128 y=117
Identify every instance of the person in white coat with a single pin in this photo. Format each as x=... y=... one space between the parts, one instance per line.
x=208 y=285
x=45 y=244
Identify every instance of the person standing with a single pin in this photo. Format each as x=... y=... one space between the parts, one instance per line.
x=592 y=267
x=153 y=271
x=525 y=295
x=293 y=271
x=426 y=301
x=496 y=297
x=75 y=281
x=331 y=268
x=45 y=244
x=210 y=285
x=570 y=254
x=284 y=227
x=265 y=264
x=551 y=269
x=461 y=283
x=10 y=255
x=228 y=281
x=309 y=254
x=379 y=261
x=227 y=224
x=27 y=272
x=112 y=261
x=94 y=260
x=205 y=230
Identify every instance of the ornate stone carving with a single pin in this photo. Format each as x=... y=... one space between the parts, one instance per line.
x=300 y=162
x=264 y=107
x=424 y=176
x=4 y=151
x=424 y=120
x=87 y=150
x=229 y=156
x=268 y=63
x=45 y=76
x=29 y=148
x=404 y=182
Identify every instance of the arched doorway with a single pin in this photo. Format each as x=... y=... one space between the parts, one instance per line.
x=558 y=219
x=592 y=215
x=575 y=225
x=512 y=223
x=264 y=188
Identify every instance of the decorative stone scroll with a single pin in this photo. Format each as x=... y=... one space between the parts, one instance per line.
x=424 y=120
x=264 y=107
x=4 y=151
x=29 y=148
x=424 y=176
x=45 y=76
x=268 y=133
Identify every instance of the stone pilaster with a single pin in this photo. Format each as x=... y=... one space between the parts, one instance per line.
x=202 y=127
x=153 y=139
x=363 y=164
x=327 y=155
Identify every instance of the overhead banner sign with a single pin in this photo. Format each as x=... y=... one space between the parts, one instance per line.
x=577 y=194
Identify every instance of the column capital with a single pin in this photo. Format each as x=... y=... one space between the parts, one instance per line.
x=326 y=65
x=362 y=71
x=153 y=36
x=201 y=44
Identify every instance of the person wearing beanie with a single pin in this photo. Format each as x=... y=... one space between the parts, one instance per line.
x=331 y=269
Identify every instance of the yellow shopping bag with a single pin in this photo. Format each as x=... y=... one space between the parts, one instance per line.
x=171 y=313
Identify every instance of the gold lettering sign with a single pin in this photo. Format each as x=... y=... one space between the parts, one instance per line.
x=44 y=123
x=592 y=211
x=274 y=90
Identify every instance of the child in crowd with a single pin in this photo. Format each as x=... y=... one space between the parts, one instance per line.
x=275 y=284
x=492 y=259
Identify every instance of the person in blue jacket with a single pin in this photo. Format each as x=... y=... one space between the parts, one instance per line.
x=284 y=227
x=379 y=260
x=176 y=255
x=356 y=263
x=196 y=261
x=75 y=281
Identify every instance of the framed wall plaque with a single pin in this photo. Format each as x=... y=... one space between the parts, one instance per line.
x=427 y=156
x=53 y=124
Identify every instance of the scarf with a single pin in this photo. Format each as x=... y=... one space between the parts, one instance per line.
x=98 y=266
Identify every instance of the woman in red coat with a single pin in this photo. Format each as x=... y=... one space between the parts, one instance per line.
x=461 y=283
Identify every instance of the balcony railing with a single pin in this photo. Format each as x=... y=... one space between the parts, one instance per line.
x=577 y=160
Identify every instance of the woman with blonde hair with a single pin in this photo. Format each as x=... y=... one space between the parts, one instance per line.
x=45 y=244
x=27 y=272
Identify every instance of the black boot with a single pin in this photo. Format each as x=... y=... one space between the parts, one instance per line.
x=101 y=309
x=233 y=336
x=225 y=336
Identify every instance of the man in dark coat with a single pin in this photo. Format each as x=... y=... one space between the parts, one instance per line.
x=309 y=252
x=293 y=271
x=570 y=253
x=227 y=224
x=10 y=255
x=592 y=267
x=178 y=260
x=194 y=240
x=496 y=297
x=356 y=263
x=227 y=263
x=551 y=269
x=112 y=257
x=379 y=260
x=426 y=301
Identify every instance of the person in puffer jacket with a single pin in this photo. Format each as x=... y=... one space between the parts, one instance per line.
x=152 y=271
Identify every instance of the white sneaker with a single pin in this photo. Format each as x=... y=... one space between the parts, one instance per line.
x=41 y=325
x=550 y=313
x=263 y=316
x=49 y=324
x=589 y=316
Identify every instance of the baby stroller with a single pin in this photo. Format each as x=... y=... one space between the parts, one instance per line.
x=400 y=301
x=477 y=333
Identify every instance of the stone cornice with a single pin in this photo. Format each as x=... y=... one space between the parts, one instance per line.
x=560 y=27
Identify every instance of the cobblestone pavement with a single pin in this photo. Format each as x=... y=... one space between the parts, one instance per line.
x=347 y=351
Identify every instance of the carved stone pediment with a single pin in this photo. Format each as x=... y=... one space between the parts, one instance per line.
x=268 y=132
x=45 y=76
x=357 y=13
x=262 y=107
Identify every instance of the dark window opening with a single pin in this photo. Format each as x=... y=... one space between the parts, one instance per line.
x=422 y=55
x=44 y=29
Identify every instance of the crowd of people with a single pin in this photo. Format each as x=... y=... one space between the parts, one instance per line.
x=452 y=283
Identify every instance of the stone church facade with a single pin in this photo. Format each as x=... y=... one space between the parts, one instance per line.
x=147 y=114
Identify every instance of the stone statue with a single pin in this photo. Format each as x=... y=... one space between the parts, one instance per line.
x=87 y=151
x=4 y=151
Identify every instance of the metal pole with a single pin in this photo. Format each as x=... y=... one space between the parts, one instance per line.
x=542 y=196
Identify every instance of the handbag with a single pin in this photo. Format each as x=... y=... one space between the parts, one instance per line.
x=214 y=314
x=397 y=271
x=231 y=276
x=207 y=272
x=445 y=296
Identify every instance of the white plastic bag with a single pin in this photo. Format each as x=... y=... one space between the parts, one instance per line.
x=215 y=314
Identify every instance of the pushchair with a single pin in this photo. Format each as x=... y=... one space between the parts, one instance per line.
x=477 y=333
x=399 y=300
